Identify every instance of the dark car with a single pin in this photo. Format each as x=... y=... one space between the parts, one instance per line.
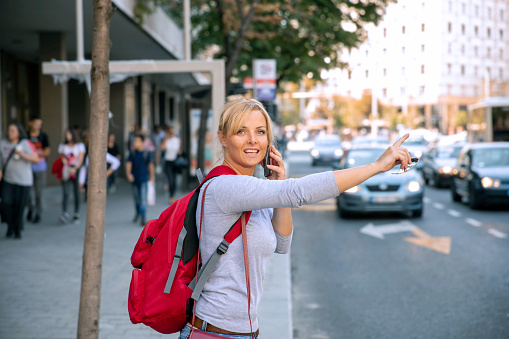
x=482 y=174
x=438 y=163
x=385 y=192
x=418 y=147
x=326 y=150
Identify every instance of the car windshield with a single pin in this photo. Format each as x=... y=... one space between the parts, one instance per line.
x=370 y=140
x=448 y=152
x=362 y=157
x=490 y=157
x=415 y=142
x=327 y=142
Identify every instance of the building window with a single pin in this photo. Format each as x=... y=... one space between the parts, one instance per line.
x=489 y=32
x=501 y=53
x=349 y=74
x=475 y=70
x=501 y=73
x=385 y=32
x=488 y=70
x=422 y=27
x=422 y=69
x=462 y=69
x=463 y=8
x=463 y=49
x=501 y=33
x=367 y=54
x=476 y=30
x=449 y=27
x=367 y=73
x=384 y=92
x=403 y=70
x=489 y=13
x=476 y=10
x=421 y=90
x=403 y=50
x=449 y=48
x=385 y=71
x=403 y=29
x=385 y=51
x=488 y=52
x=463 y=29
x=476 y=50
x=501 y=14
x=422 y=48
x=450 y=6
x=449 y=69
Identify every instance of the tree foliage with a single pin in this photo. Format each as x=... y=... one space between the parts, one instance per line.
x=303 y=36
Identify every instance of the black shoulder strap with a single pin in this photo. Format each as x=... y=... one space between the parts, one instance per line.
x=9 y=157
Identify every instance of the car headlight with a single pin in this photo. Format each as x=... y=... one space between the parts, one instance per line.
x=413 y=186
x=315 y=153
x=354 y=189
x=445 y=169
x=488 y=182
x=418 y=154
x=338 y=152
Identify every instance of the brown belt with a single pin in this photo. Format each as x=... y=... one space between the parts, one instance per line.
x=198 y=323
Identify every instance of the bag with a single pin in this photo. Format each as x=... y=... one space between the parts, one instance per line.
x=165 y=263
x=151 y=194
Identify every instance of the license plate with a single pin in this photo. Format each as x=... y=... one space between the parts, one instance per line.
x=384 y=200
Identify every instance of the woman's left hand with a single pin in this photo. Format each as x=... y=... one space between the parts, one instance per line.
x=277 y=167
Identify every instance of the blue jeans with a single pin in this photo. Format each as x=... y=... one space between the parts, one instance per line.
x=187 y=330
x=140 y=197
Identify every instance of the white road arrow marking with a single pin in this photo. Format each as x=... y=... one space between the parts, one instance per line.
x=438 y=206
x=454 y=213
x=379 y=231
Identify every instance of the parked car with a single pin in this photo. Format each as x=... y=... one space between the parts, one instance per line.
x=383 y=192
x=482 y=174
x=438 y=163
x=326 y=150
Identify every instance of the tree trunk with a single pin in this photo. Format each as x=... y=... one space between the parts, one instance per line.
x=88 y=321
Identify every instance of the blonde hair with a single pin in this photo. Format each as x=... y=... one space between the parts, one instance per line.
x=235 y=114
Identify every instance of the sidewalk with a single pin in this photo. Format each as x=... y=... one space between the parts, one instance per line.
x=40 y=284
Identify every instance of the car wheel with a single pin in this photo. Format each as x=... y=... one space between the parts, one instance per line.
x=473 y=201
x=417 y=213
x=455 y=196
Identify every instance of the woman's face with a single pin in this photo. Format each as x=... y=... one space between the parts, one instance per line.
x=246 y=148
x=13 y=133
x=68 y=136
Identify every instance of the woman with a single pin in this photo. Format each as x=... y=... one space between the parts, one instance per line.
x=72 y=153
x=17 y=177
x=172 y=148
x=245 y=133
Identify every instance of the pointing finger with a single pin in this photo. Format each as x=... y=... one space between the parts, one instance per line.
x=400 y=141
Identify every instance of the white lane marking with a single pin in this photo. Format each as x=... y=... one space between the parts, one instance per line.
x=454 y=213
x=497 y=233
x=426 y=200
x=473 y=222
x=438 y=206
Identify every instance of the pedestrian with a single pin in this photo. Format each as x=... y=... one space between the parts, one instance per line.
x=171 y=146
x=139 y=170
x=113 y=163
x=17 y=154
x=72 y=154
x=41 y=143
x=245 y=134
x=114 y=151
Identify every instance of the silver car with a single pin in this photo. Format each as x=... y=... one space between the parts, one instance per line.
x=386 y=192
x=327 y=149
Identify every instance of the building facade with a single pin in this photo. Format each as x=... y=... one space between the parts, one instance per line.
x=436 y=55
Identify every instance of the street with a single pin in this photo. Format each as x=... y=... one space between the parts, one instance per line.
x=350 y=284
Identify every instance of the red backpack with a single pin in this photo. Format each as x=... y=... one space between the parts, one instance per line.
x=165 y=257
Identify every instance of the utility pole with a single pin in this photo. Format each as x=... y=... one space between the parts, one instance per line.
x=90 y=298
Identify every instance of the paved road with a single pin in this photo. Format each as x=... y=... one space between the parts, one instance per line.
x=347 y=284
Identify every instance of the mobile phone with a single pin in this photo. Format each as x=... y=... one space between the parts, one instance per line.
x=266 y=171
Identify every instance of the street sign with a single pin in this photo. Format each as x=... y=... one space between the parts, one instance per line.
x=264 y=74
